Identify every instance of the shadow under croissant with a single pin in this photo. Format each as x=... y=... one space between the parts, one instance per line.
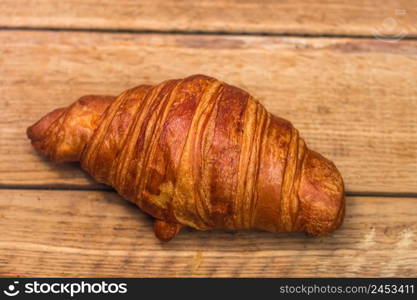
x=218 y=239
x=251 y=239
x=139 y=226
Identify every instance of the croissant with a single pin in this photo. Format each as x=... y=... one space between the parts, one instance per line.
x=197 y=152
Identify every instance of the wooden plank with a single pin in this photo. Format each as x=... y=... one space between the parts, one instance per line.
x=354 y=100
x=89 y=233
x=340 y=17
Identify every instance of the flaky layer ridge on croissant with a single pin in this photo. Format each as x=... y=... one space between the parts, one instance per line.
x=197 y=152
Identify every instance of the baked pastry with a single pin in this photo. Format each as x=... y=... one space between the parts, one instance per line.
x=197 y=152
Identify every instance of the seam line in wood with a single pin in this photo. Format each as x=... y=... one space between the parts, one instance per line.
x=194 y=32
x=109 y=189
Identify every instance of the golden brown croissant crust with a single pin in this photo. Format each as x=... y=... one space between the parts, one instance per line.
x=197 y=152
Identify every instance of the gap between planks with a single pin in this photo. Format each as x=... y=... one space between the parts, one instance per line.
x=354 y=17
x=104 y=188
x=183 y=32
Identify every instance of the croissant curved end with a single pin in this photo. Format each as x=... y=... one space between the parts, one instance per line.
x=321 y=195
x=38 y=131
x=62 y=134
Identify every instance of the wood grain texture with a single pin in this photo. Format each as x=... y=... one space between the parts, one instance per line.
x=353 y=100
x=85 y=233
x=340 y=17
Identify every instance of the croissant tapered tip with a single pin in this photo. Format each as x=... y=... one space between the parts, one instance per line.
x=62 y=134
x=321 y=195
x=37 y=131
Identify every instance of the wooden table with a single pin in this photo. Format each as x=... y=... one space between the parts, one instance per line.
x=328 y=66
